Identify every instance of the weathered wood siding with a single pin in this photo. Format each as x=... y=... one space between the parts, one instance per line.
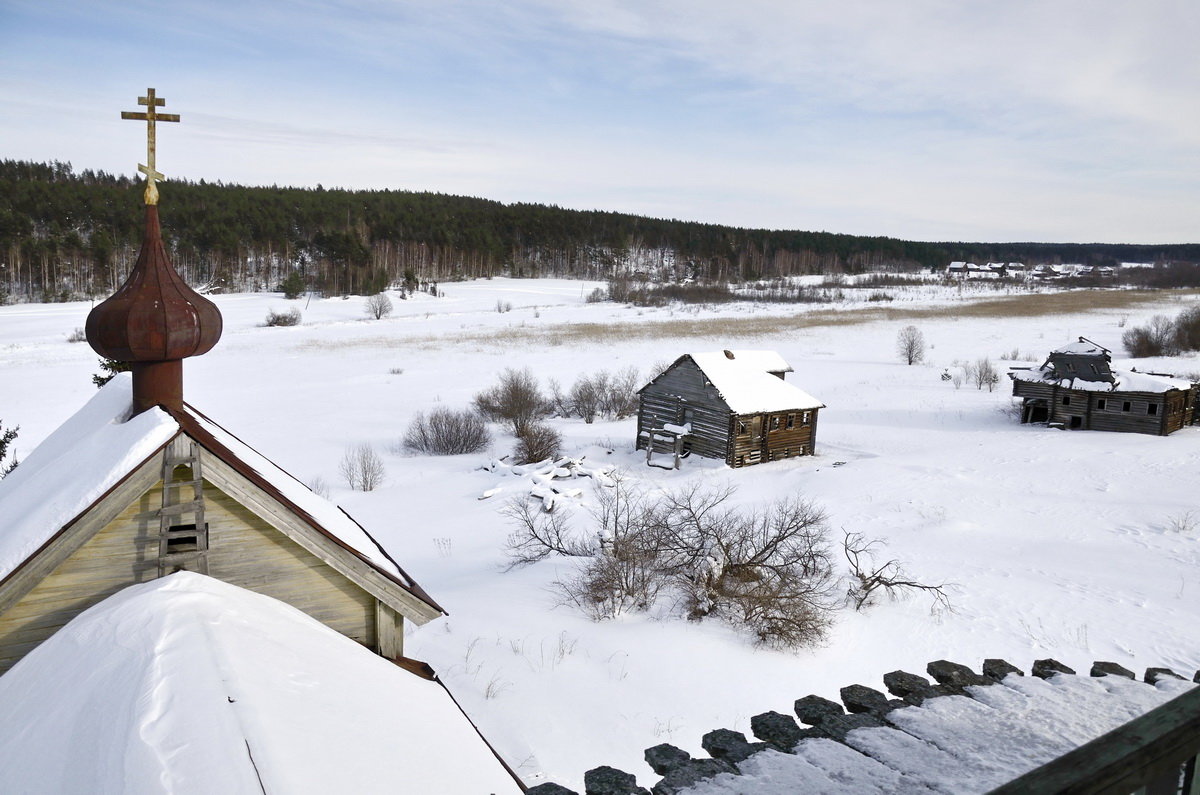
x=244 y=551
x=767 y=437
x=1131 y=412
x=668 y=397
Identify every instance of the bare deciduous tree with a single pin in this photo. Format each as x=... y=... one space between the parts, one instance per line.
x=869 y=578
x=378 y=306
x=362 y=468
x=516 y=400
x=910 y=344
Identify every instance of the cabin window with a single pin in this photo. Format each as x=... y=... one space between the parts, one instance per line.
x=1126 y=406
x=805 y=416
x=1102 y=404
x=774 y=423
x=1066 y=400
x=743 y=429
x=800 y=451
x=791 y=421
x=1152 y=409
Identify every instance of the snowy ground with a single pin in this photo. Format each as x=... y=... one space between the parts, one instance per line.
x=1078 y=546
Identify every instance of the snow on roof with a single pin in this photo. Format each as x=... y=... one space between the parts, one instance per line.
x=328 y=515
x=747 y=386
x=1124 y=381
x=76 y=465
x=1081 y=347
x=190 y=685
x=97 y=447
x=768 y=361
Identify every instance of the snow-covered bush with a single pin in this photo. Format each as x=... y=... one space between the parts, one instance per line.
x=537 y=441
x=6 y=438
x=288 y=317
x=445 y=431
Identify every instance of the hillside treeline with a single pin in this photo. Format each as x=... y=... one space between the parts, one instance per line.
x=68 y=234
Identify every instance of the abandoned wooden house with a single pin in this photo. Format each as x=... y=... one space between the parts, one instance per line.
x=1077 y=388
x=731 y=405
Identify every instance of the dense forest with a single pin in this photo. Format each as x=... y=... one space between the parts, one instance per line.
x=67 y=234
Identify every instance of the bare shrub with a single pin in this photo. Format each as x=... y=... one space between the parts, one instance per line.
x=586 y=396
x=537 y=441
x=503 y=306
x=1157 y=339
x=597 y=295
x=910 y=345
x=378 y=306
x=516 y=399
x=319 y=487
x=362 y=468
x=78 y=335
x=983 y=373
x=538 y=535
x=445 y=431
x=868 y=578
x=288 y=317
x=767 y=571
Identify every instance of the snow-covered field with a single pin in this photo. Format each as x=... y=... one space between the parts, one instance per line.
x=1077 y=546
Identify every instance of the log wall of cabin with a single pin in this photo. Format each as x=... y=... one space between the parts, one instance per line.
x=774 y=443
x=1128 y=412
x=685 y=387
x=243 y=550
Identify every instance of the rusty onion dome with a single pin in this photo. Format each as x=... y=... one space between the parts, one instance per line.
x=154 y=316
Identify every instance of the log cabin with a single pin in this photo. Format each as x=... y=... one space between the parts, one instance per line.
x=731 y=405
x=1077 y=388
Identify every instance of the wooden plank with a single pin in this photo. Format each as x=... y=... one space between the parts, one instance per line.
x=389 y=631
x=344 y=562
x=1127 y=758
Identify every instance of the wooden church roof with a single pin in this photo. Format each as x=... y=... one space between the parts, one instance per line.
x=101 y=448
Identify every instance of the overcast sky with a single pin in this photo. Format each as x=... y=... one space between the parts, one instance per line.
x=1010 y=120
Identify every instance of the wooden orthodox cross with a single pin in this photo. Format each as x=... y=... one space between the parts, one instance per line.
x=150 y=117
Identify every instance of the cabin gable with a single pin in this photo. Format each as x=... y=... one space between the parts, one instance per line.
x=683 y=395
x=247 y=538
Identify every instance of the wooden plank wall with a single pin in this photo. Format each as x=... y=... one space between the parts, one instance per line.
x=244 y=551
x=778 y=442
x=684 y=386
x=1111 y=411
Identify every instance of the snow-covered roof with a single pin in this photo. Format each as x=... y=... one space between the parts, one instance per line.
x=1123 y=381
x=746 y=385
x=967 y=734
x=75 y=466
x=190 y=685
x=100 y=445
x=1081 y=347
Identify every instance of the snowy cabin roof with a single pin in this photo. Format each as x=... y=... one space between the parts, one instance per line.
x=746 y=385
x=967 y=733
x=187 y=684
x=1082 y=347
x=1123 y=381
x=101 y=445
